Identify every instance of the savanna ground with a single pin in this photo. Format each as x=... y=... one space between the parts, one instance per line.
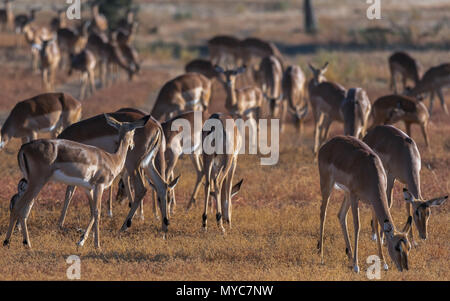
x=276 y=215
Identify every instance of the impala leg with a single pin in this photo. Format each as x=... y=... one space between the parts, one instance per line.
x=441 y=98
x=227 y=189
x=326 y=187
x=379 y=238
x=356 y=224
x=110 y=198
x=70 y=190
x=342 y=215
x=83 y=85
x=199 y=170
x=207 y=192
x=423 y=127
x=326 y=127
x=92 y=80
x=155 y=209
x=218 y=188
x=430 y=109
x=317 y=132
x=92 y=220
x=97 y=210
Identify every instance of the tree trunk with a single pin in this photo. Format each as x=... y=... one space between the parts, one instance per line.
x=310 y=18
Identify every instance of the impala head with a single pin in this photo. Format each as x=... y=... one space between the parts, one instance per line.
x=398 y=244
x=319 y=74
x=230 y=74
x=422 y=211
x=126 y=129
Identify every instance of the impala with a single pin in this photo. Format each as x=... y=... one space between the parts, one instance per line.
x=244 y=102
x=60 y=21
x=349 y=164
x=99 y=22
x=203 y=67
x=326 y=99
x=355 y=111
x=7 y=15
x=293 y=92
x=50 y=57
x=219 y=167
x=51 y=112
x=72 y=163
x=72 y=41
x=148 y=144
x=124 y=36
x=255 y=48
x=393 y=108
x=84 y=62
x=129 y=53
x=224 y=49
x=269 y=77
x=402 y=162
x=34 y=36
x=128 y=22
x=403 y=64
x=433 y=81
x=187 y=92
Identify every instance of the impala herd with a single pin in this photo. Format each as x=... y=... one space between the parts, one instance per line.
x=136 y=148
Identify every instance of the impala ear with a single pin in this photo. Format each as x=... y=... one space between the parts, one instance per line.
x=436 y=201
x=407 y=227
x=409 y=198
x=174 y=182
x=325 y=67
x=311 y=67
x=112 y=121
x=140 y=123
x=236 y=188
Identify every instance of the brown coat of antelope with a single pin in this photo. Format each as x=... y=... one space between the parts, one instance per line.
x=433 y=81
x=140 y=161
x=187 y=92
x=72 y=41
x=72 y=163
x=34 y=36
x=201 y=66
x=219 y=166
x=406 y=66
x=224 y=50
x=244 y=102
x=401 y=161
x=252 y=50
x=393 y=108
x=349 y=164
x=85 y=63
x=269 y=77
x=51 y=112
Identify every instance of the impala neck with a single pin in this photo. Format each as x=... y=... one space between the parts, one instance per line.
x=231 y=94
x=121 y=153
x=382 y=212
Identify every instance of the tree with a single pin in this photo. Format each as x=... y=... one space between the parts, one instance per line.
x=310 y=18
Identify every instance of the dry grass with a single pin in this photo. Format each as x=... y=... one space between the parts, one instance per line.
x=275 y=216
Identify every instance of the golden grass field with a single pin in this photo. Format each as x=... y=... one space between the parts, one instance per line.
x=276 y=214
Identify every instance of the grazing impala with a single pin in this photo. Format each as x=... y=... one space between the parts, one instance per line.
x=393 y=108
x=293 y=87
x=245 y=102
x=269 y=77
x=201 y=66
x=401 y=161
x=355 y=110
x=148 y=143
x=224 y=50
x=84 y=62
x=187 y=92
x=51 y=112
x=433 y=81
x=50 y=57
x=219 y=166
x=7 y=15
x=71 y=163
x=349 y=164
x=326 y=99
x=403 y=64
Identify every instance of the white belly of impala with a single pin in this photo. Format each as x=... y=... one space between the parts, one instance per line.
x=339 y=186
x=59 y=176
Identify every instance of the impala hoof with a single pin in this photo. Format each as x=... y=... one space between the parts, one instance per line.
x=110 y=214
x=386 y=267
x=356 y=269
x=374 y=237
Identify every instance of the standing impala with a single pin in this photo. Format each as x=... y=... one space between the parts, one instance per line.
x=349 y=164
x=254 y=49
x=187 y=92
x=269 y=77
x=244 y=102
x=403 y=64
x=148 y=144
x=71 y=41
x=355 y=110
x=85 y=63
x=433 y=81
x=51 y=112
x=401 y=161
x=393 y=108
x=50 y=57
x=325 y=99
x=219 y=166
x=71 y=163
